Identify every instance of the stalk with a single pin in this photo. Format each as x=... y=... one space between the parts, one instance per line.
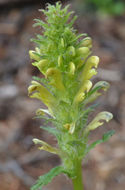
x=77 y=181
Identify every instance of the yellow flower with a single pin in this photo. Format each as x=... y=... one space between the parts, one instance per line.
x=97 y=121
x=41 y=65
x=88 y=70
x=45 y=146
x=85 y=87
x=33 y=55
x=36 y=90
x=87 y=42
x=55 y=78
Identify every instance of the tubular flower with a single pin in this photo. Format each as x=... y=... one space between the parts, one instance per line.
x=67 y=63
x=36 y=90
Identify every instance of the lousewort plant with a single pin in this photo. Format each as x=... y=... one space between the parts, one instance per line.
x=67 y=91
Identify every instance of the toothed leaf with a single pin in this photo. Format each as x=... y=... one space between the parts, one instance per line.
x=47 y=178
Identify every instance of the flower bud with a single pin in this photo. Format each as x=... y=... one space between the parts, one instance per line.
x=62 y=42
x=71 y=50
x=60 y=60
x=83 y=51
x=71 y=68
x=86 y=42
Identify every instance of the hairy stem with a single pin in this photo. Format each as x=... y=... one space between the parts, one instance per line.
x=77 y=181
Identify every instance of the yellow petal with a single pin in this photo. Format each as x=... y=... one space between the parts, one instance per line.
x=41 y=65
x=70 y=127
x=85 y=87
x=88 y=70
x=33 y=55
x=72 y=68
x=83 y=51
x=41 y=111
x=45 y=146
x=36 y=90
x=102 y=85
x=97 y=121
x=55 y=78
x=87 y=42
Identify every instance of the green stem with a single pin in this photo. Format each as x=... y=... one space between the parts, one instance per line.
x=77 y=181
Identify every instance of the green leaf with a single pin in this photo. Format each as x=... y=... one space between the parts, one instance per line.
x=47 y=120
x=40 y=23
x=47 y=178
x=105 y=138
x=107 y=135
x=51 y=130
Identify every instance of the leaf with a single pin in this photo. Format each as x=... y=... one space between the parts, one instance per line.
x=72 y=22
x=40 y=23
x=47 y=178
x=105 y=138
x=51 y=130
x=107 y=135
x=47 y=120
x=87 y=111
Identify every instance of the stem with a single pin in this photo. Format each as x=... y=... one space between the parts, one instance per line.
x=77 y=181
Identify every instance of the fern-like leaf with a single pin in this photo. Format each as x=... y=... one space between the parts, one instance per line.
x=47 y=178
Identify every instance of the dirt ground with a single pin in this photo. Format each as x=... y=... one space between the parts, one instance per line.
x=20 y=161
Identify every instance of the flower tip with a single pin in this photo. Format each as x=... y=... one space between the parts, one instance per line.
x=36 y=141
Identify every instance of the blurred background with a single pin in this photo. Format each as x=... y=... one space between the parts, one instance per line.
x=20 y=161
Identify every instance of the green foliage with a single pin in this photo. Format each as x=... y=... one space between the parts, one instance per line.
x=66 y=61
x=47 y=178
x=105 y=138
x=113 y=7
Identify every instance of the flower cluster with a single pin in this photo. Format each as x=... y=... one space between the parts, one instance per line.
x=68 y=65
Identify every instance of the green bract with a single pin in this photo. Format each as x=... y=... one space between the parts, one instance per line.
x=66 y=89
